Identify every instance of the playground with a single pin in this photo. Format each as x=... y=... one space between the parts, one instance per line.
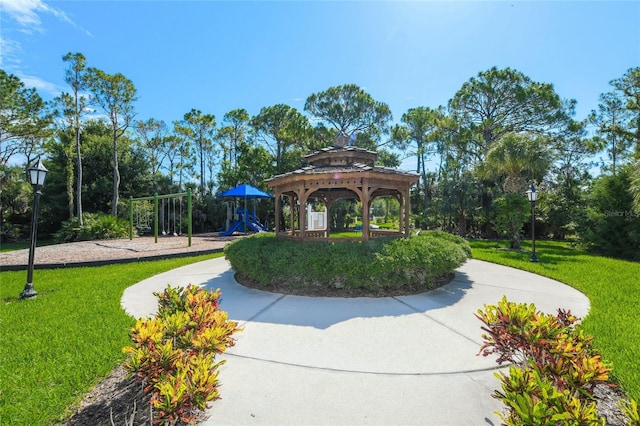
x=239 y=217
x=171 y=215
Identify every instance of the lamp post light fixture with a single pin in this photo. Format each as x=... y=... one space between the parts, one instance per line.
x=36 y=175
x=532 y=194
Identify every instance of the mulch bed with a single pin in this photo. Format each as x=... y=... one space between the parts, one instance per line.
x=114 y=401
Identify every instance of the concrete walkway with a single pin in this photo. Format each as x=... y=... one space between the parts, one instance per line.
x=408 y=360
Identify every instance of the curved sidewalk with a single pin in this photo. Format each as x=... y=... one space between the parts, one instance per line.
x=407 y=360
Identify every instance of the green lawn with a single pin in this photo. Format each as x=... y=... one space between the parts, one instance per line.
x=56 y=347
x=23 y=245
x=612 y=286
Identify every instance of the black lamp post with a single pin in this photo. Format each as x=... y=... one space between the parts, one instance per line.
x=36 y=175
x=532 y=194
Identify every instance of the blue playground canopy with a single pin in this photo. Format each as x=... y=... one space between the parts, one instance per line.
x=245 y=191
x=246 y=220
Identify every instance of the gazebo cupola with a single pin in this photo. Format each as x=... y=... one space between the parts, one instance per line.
x=340 y=172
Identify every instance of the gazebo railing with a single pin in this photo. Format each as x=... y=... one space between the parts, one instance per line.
x=384 y=233
x=322 y=235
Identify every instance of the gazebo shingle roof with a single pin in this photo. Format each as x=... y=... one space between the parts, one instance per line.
x=341 y=159
x=355 y=167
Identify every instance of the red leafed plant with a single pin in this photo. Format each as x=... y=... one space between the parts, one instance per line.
x=519 y=334
x=554 y=363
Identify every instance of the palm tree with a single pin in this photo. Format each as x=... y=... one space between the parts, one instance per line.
x=517 y=160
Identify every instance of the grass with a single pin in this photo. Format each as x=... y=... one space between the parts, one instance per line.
x=346 y=234
x=23 y=245
x=612 y=286
x=56 y=347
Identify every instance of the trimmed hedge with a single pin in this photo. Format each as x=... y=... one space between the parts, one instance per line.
x=379 y=265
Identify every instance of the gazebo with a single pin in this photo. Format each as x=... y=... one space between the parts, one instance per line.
x=340 y=172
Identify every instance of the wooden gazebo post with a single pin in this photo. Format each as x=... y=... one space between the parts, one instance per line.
x=278 y=213
x=407 y=211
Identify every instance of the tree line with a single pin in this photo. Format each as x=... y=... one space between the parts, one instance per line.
x=476 y=155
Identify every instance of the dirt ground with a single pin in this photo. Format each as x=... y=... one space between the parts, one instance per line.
x=113 y=251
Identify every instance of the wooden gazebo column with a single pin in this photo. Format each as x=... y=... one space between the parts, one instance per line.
x=291 y=212
x=327 y=206
x=278 y=210
x=303 y=196
x=407 y=212
x=365 y=197
x=401 y=213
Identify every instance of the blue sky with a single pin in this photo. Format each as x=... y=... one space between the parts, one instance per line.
x=218 y=56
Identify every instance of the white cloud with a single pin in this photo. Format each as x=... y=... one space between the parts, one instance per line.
x=27 y=14
x=9 y=50
x=40 y=84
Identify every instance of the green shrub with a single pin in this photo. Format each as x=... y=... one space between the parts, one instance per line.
x=464 y=244
x=174 y=353
x=96 y=226
x=375 y=265
x=610 y=226
x=512 y=211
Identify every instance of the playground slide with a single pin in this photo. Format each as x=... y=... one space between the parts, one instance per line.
x=231 y=230
x=255 y=226
x=258 y=225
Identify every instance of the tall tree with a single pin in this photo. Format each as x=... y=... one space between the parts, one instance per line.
x=182 y=153
x=573 y=151
x=635 y=186
x=172 y=144
x=97 y=177
x=416 y=133
x=98 y=146
x=285 y=131
x=611 y=119
x=115 y=94
x=69 y=108
x=24 y=121
x=629 y=87
x=563 y=202
x=66 y=136
x=234 y=131
x=351 y=111
x=75 y=104
x=152 y=134
x=200 y=129
x=497 y=102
